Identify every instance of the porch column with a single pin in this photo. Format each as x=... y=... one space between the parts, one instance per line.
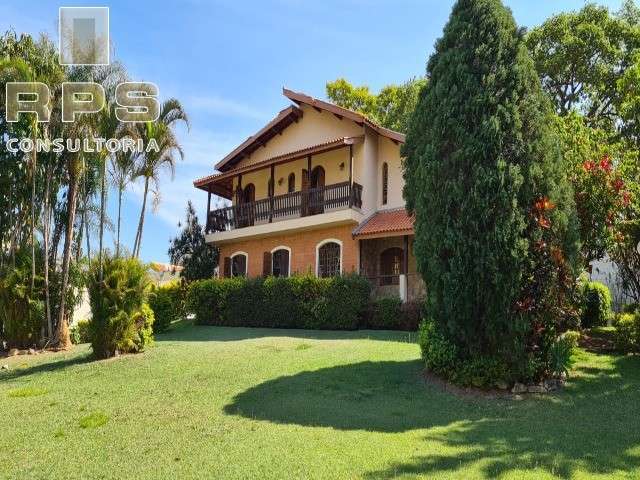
x=350 y=175
x=208 y=226
x=404 y=284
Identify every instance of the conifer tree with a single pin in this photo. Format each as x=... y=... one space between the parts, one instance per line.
x=495 y=229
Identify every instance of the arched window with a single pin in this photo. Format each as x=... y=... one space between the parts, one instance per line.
x=291 y=187
x=391 y=266
x=329 y=258
x=385 y=182
x=280 y=262
x=239 y=264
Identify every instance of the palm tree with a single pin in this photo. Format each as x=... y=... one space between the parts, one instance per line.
x=122 y=174
x=152 y=163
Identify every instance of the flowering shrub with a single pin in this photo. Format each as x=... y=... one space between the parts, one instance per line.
x=601 y=197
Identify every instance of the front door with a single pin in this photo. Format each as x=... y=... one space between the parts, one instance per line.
x=248 y=205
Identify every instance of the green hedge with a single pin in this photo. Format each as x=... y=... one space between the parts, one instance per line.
x=389 y=313
x=337 y=303
x=627 y=337
x=168 y=304
x=596 y=307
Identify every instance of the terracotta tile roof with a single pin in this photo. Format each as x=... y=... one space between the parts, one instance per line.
x=386 y=221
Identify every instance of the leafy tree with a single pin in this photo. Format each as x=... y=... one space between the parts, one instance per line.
x=582 y=57
x=494 y=232
x=190 y=250
x=391 y=108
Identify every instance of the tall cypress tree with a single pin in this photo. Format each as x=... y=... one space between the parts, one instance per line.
x=495 y=234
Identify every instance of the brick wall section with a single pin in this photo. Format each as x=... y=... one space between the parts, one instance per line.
x=303 y=249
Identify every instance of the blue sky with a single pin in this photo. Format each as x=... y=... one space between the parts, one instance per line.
x=227 y=61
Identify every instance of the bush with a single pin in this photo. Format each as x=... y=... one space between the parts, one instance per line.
x=296 y=302
x=561 y=353
x=439 y=355
x=121 y=320
x=596 y=306
x=22 y=312
x=627 y=337
x=80 y=332
x=167 y=302
x=389 y=313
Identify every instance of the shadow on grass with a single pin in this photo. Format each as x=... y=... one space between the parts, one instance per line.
x=48 y=366
x=592 y=425
x=187 y=332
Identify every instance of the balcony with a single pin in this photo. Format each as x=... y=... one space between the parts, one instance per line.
x=313 y=201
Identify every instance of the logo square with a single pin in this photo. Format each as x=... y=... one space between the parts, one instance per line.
x=84 y=35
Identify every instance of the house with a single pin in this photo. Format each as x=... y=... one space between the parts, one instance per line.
x=318 y=189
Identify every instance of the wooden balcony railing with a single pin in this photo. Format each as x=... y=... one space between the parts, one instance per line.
x=302 y=204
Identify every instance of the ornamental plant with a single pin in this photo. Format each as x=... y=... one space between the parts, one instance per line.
x=496 y=240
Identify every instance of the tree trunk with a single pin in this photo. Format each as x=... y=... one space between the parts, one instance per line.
x=138 y=242
x=33 y=212
x=103 y=194
x=45 y=236
x=62 y=339
x=120 y=190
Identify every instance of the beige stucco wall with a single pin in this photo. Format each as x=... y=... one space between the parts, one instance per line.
x=389 y=152
x=312 y=129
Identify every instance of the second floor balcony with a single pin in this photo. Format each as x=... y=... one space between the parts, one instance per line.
x=311 y=201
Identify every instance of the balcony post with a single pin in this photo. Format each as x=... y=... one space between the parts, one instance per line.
x=404 y=279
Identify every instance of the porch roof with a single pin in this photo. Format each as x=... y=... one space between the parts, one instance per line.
x=382 y=223
x=220 y=183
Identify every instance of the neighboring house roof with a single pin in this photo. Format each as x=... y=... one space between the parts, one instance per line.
x=386 y=221
x=285 y=157
x=292 y=114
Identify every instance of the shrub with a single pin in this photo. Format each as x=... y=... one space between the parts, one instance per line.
x=439 y=355
x=561 y=353
x=385 y=313
x=168 y=305
x=627 y=336
x=120 y=321
x=389 y=313
x=297 y=302
x=596 y=307
x=80 y=332
x=630 y=308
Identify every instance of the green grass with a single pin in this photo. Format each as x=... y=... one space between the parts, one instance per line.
x=224 y=403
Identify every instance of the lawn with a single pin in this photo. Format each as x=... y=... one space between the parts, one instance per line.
x=211 y=402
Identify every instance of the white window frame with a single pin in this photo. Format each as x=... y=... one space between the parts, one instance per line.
x=281 y=247
x=246 y=256
x=324 y=242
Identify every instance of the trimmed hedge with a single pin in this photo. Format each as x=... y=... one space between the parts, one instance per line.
x=596 y=308
x=167 y=302
x=337 y=303
x=627 y=338
x=389 y=313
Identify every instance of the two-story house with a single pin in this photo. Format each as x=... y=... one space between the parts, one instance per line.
x=318 y=189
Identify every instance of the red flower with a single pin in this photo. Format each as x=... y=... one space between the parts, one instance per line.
x=626 y=198
x=543 y=222
x=588 y=166
x=618 y=184
x=605 y=163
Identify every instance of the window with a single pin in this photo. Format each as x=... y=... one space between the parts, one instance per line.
x=391 y=266
x=239 y=265
x=385 y=182
x=280 y=262
x=292 y=183
x=329 y=259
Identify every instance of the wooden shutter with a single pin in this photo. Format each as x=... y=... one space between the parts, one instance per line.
x=227 y=267
x=266 y=264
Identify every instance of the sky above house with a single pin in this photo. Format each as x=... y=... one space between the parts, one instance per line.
x=227 y=62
